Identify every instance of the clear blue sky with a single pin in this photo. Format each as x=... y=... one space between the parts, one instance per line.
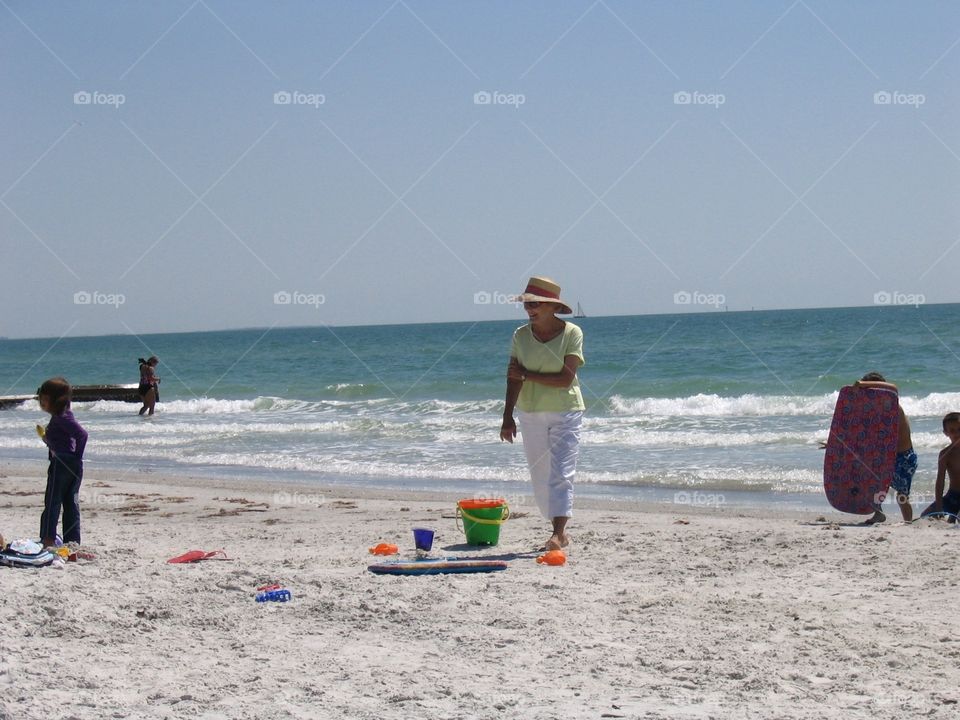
x=785 y=181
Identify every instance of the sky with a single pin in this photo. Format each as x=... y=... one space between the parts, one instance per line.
x=203 y=164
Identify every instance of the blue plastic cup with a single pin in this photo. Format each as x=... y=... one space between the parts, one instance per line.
x=423 y=539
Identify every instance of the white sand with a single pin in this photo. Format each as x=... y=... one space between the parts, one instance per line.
x=729 y=616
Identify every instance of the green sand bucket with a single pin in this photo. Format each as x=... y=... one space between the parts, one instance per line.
x=482 y=519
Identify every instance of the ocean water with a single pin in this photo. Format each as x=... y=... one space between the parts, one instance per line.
x=711 y=408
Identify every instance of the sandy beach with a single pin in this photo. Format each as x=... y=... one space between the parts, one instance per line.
x=658 y=614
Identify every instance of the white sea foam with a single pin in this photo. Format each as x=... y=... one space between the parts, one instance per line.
x=700 y=405
x=933 y=405
x=638 y=437
x=710 y=442
x=715 y=479
x=215 y=406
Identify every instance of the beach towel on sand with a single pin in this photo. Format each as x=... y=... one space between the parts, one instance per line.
x=193 y=556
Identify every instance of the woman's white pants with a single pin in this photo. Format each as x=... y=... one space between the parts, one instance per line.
x=551 y=441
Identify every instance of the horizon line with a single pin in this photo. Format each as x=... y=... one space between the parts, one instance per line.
x=717 y=311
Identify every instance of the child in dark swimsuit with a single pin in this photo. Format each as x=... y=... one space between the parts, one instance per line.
x=149 y=389
x=948 y=466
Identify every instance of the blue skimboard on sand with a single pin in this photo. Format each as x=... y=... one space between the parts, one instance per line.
x=862 y=449
x=439 y=566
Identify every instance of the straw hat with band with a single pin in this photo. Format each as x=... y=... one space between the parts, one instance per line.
x=541 y=289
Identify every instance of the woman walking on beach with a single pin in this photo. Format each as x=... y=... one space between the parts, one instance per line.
x=542 y=384
x=149 y=389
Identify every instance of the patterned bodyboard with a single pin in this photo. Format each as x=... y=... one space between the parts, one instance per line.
x=862 y=449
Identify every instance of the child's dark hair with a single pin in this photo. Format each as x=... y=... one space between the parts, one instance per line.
x=58 y=392
x=953 y=417
x=152 y=360
x=873 y=377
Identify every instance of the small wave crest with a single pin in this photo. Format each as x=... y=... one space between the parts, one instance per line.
x=715 y=405
x=359 y=404
x=638 y=437
x=702 y=405
x=354 y=390
x=762 y=479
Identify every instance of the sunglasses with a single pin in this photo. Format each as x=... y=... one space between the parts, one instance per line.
x=532 y=304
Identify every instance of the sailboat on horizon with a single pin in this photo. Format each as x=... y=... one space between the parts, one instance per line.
x=579 y=313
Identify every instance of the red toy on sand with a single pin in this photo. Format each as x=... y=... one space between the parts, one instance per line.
x=384 y=549
x=553 y=557
x=193 y=556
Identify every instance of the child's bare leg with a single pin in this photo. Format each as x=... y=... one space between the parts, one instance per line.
x=559 y=539
x=906 y=509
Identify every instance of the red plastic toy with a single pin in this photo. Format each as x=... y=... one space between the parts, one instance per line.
x=553 y=557
x=384 y=549
x=197 y=555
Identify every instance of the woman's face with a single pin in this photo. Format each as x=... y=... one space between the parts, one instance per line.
x=536 y=310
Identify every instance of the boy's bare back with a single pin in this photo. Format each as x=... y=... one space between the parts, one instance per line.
x=950 y=462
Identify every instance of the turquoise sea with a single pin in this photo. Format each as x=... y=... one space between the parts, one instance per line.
x=714 y=409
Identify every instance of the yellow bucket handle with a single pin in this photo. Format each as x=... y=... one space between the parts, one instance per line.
x=461 y=513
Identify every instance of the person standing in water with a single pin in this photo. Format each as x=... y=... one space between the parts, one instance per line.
x=149 y=389
x=542 y=384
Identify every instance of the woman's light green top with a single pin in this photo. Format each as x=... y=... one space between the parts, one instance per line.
x=547 y=357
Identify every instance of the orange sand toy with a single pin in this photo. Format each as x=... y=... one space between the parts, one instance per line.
x=553 y=557
x=384 y=549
